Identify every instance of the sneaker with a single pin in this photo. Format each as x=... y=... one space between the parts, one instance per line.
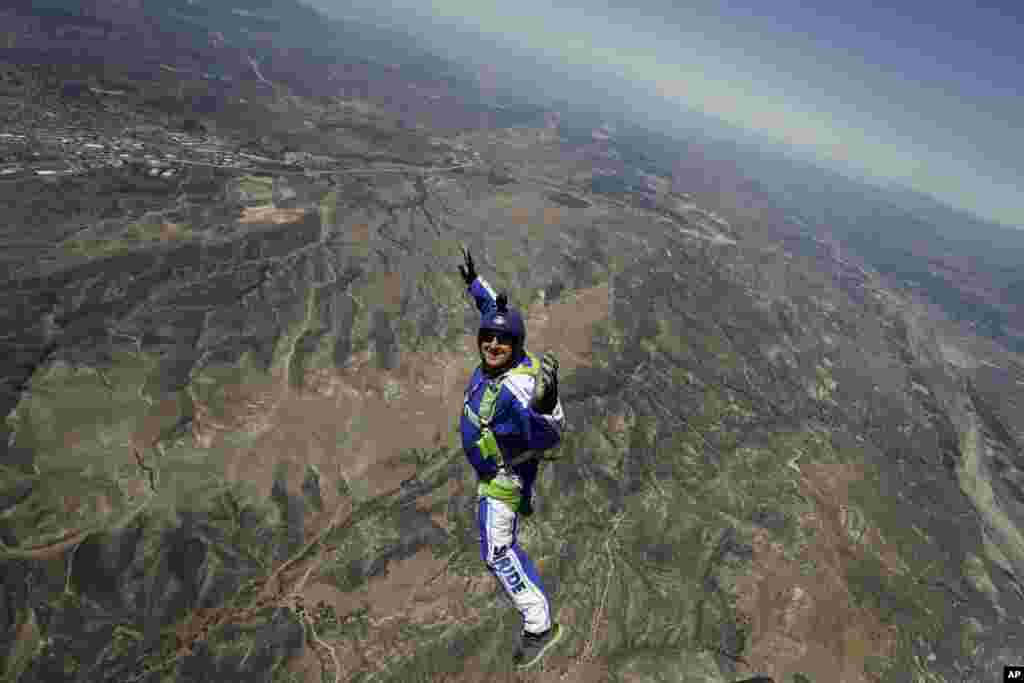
x=534 y=646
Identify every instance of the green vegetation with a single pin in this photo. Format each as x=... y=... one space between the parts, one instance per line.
x=329 y=210
x=258 y=188
x=824 y=386
x=289 y=356
x=124 y=638
x=359 y=331
x=977 y=576
x=210 y=385
x=970 y=631
x=74 y=419
x=92 y=478
x=141 y=233
x=446 y=294
x=440 y=651
x=668 y=340
x=26 y=647
x=913 y=598
x=511 y=261
x=611 y=339
x=82 y=423
x=358 y=547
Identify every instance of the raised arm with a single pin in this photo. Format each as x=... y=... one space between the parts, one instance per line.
x=484 y=296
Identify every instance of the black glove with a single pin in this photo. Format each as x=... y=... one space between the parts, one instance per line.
x=545 y=391
x=467 y=271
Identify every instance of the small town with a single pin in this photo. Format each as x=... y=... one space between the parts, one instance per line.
x=62 y=151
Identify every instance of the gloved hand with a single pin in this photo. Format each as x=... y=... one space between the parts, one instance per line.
x=467 y=271
x=545 y=391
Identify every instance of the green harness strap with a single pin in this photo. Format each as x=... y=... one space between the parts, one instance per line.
x=488 y=444
x=482 y=418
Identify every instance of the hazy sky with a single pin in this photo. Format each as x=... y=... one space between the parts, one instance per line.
x=930 y=94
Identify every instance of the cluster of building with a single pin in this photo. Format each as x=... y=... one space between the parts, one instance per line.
x=48 y=133
x=59 y=150
x=456 y=153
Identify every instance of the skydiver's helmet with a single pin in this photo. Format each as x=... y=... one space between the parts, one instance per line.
x=504 y=320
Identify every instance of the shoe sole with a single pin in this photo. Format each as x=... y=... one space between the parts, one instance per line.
x=540 y=655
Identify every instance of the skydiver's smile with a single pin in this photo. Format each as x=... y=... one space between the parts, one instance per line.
x=497 y=349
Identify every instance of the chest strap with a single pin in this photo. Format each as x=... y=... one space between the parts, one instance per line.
x=481 y=419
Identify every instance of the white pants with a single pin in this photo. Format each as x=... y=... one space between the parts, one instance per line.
x=507 y=561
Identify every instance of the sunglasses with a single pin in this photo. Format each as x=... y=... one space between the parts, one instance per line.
x=503 y=338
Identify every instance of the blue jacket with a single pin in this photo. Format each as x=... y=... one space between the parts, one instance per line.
x=516 y=426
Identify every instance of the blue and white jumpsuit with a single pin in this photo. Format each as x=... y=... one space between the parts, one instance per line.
x=517 y=428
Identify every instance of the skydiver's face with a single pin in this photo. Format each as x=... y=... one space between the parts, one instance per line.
x=496 y=349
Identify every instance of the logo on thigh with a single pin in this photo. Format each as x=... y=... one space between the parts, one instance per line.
x=507 y=571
